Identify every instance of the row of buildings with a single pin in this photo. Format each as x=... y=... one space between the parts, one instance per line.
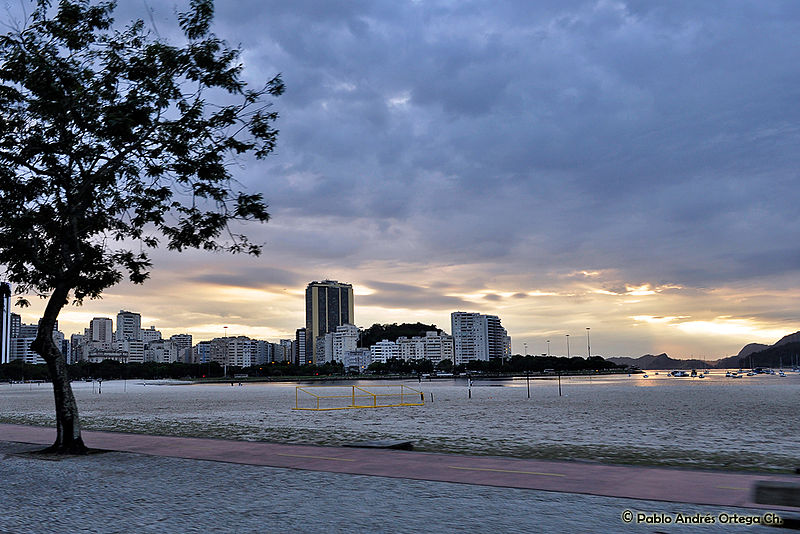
x=330 y=335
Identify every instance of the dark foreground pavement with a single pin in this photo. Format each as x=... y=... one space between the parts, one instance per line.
x=733 y=489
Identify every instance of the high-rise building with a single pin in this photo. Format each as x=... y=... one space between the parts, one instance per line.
x=434 y=346
x=16 y=323
x=101 y=329
x=384 y=350
x=344 y=339
x=497 y=337
x=184 y=344
x=132 y=350
x=150 y=334
x=288 y=349
x=201 y=353
x=300 y=344
x=328 y=304
x=129 y=325
x=25 y=334
x=239 y=350
x=478 y=337
x=358 y=359
x=77 y=343
x=5 y=322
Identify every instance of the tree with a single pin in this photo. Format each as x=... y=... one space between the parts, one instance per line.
x=445 y=365
x=108 y=146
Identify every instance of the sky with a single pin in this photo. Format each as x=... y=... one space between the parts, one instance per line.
x=625 y=166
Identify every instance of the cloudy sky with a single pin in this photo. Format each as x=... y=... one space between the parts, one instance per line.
x=625 y=166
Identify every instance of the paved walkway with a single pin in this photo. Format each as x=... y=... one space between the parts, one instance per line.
x=647 y=483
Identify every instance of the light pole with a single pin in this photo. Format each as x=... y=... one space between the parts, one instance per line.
x=225 y=361
x=527 y=371
x=567 y=345
x=588 y=345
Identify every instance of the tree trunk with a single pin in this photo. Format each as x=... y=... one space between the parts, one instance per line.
x=68 y=427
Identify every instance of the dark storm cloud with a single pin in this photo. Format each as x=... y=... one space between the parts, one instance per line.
x=253 y=278
x=658 y=140
x=393 y=295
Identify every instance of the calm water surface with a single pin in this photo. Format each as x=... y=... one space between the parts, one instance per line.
x=716 y=422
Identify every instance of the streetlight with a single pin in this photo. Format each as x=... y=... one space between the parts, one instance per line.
x=527 y=370
x=567 y=345
x=588 y=345
x=225 y=361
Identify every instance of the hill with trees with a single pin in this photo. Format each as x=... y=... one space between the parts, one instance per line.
x=378 y=332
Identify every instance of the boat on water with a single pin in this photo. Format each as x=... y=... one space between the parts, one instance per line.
x=679 y=374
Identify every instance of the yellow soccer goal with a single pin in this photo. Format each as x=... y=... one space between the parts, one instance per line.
x=346 y=397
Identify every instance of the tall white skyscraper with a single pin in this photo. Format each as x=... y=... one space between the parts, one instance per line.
x=129 y=326
x=478 y=337
x=300 y=345
x=344 y=339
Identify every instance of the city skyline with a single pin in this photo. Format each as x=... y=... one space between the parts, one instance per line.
x=619 y=166
x=557 y=343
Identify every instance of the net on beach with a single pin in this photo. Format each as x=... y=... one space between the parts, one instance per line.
x=349 y=397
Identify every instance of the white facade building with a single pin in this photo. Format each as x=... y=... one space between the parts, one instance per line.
x=344 y=339
x=129 y=325
x=383 y=350
x=324 y=349
x=20 y=342
x=184 y=344
x=133 y=349
x=150 y=334
x=434 y=346
x=358 y=359
x=288 y=350
x=240 y=351
x=161 y=351
x=20 y=349
x=470 y=337
x=478 y=337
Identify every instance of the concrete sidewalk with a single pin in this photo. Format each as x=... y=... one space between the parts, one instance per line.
x=657 y=484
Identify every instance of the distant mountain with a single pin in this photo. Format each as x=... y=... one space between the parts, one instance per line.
x=750 y=348
x=786 y=351
x=731 y=362
x=763 y=355
x=661 y=361
x=791 y=338
x=786 y=355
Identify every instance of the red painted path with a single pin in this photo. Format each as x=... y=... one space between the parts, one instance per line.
x=649 y=483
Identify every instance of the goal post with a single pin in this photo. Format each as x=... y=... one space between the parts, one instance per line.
x=321 y=398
